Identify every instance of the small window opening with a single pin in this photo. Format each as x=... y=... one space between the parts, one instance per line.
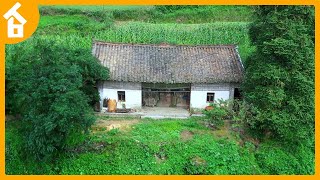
x=210 y=97
x=121 y=96
x=237 y=94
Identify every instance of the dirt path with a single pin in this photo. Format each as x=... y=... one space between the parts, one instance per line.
x=115 y=124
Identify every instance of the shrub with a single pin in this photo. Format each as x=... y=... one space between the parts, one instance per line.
x=279 y=77
x=46 y=86
x=218 y=113
x=242 y=113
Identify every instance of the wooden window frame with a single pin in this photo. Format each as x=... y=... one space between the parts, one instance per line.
x=121 y=96
x=210 y=96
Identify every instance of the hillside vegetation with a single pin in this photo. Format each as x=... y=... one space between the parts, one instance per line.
x=258 y=136
x=158 y=14
x=148 y=24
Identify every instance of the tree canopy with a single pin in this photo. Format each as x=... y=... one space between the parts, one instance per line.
x=51 y=86
x=280 y=74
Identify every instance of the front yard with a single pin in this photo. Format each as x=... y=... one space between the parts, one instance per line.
x=171 y=146
x=166 y=146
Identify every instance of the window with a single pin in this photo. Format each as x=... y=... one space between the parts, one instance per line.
x=210 y=97
x=121 y=96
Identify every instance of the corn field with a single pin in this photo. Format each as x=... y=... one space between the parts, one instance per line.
x=176 y=34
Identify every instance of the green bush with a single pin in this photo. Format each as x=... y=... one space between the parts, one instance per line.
x=46 y=84
x=279 y=79
x=242 y=113
x=218 y=113
x=305 y=154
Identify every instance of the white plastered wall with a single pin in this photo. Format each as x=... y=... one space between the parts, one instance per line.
x=198 y=99
x=198 y=96
x=133 y=93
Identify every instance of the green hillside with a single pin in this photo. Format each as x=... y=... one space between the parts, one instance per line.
x=61 y=49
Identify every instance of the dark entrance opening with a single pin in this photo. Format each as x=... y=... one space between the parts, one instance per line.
x=237 y=94
x=166 y=95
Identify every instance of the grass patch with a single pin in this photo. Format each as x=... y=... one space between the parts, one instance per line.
x=156 y=147
x=161 y=147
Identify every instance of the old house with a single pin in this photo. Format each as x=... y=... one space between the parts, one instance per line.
x=168 y=75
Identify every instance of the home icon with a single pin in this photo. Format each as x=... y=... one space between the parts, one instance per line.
x=15 y=30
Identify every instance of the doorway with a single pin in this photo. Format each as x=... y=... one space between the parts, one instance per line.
x=166 y=95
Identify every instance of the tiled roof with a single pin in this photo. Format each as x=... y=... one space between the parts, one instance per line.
x=170 y=64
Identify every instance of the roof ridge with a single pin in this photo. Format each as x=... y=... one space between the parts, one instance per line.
x=163 y=44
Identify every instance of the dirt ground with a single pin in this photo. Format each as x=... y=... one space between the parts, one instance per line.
x=186 y=135
x=114 y=124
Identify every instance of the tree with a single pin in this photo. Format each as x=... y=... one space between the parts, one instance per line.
x=46 y=83
x=279 y=78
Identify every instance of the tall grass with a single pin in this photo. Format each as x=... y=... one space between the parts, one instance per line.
x=210 y=33
x=97 y=7
x=171 y=33
x=155 y=14
x=194 y=25
x=78 y=26
x=204 y=14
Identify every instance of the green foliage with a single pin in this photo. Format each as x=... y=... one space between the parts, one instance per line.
x=155 y=14
x=171 y=8
x=84 y=11
x=14 y=164
x=145 y=24
x=242 y=114
x=218 y=113
x=51 y=82
x=280 y=74
x=195 y=166
x=46 y=84
x=16 y=161
x=66 y=24
x=274 y=159
x=156 y=147
x=148 y=33
x=202 y=14
x=59 y=9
